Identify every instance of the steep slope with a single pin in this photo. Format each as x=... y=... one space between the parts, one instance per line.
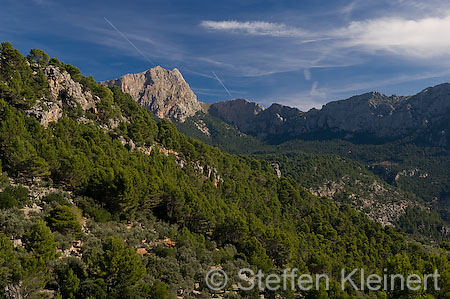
x=404 y=140
x=369 y=116
x=360 y=184
x=164 y=92
x=238 y=112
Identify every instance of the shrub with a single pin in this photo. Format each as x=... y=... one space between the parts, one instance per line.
x=63 y=219
x=55 y=198
x=7 y=201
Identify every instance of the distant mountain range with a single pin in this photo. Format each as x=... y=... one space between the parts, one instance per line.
x=372 y=117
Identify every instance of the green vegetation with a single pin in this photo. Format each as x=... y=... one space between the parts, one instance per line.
x=416 y=169
x=185 y=205
x=221 y=134
x=18 y=85
x=63 y=219
x=13 y=197
x=353 y=183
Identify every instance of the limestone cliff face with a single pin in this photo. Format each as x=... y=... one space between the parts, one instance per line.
x=164 y=92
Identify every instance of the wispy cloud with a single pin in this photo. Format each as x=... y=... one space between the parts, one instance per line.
x=130 y=42
x=302 y=100
x=217 y=93
x=373 y=85
x=256 y=28
x=401 y=36
x=316 y=96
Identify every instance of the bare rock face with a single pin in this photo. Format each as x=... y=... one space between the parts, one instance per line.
x=164 y=92
x=238 y=112
x=46 y=112
x=65 y=92
x=64 y=88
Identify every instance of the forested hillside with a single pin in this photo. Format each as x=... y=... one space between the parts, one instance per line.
x=99 y=201
x=418 y=169
x=396 y=184
x=348 y=181
x=216 y=132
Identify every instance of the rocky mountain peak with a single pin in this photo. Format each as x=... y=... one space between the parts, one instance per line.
x=162 y=91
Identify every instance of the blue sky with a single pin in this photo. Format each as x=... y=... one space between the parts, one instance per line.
x=297 y=53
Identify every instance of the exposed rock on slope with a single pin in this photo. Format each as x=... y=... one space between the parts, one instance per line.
x=378 y=200
x=62 y=86
x=65 y=92
x=164 y=92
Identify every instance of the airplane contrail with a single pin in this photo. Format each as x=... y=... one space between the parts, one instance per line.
x=123 y=35
x=221 y=83
x=151 y=61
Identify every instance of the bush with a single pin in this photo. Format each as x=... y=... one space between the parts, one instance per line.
x=55 y=198
x=40 y=241
x=63 y=219
x=14 y=197
x=20 y=193
x=7 y=201
x=91 y=209
x=160 y=290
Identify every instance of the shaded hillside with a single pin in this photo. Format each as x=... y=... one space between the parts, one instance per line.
x=215 y=132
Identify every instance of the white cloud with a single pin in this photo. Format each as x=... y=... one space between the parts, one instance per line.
x=423 y=38
x=256 y=28
x=303 y=100
x=299 y=100
x=316 y=92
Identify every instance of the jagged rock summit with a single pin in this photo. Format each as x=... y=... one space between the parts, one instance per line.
x=162 y=91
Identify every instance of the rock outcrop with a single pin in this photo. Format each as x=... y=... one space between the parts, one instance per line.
x=64 y=93
x=164 y=92
x=70 y=92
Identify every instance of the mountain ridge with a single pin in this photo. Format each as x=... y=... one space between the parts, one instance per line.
x=373 y=114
